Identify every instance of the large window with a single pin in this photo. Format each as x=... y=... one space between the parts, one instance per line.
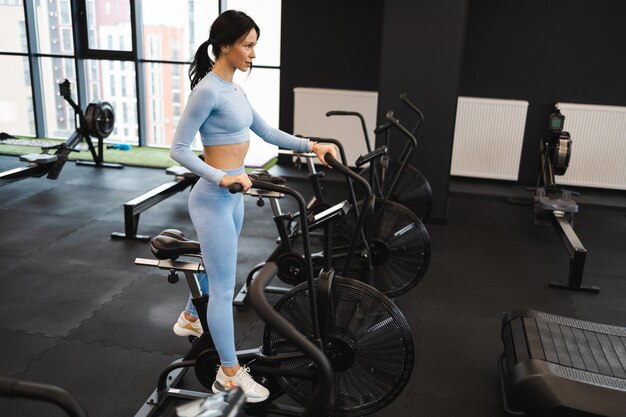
x=111 y=21
x=266 y=14
x=53 y=26
x=135 y=54
x=167 y=88
x=114 y=82
x=59 y=115
x=261 y=87
x=16 y=102
x=16 y=99
x=262 y=84
x=12 y=30
x=179 y=25
x=172 y=31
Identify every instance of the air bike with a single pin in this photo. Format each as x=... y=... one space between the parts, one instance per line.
x=354 y=327
x=97 y=121
x=382 y=243
x=396 y=179
x=390 y=248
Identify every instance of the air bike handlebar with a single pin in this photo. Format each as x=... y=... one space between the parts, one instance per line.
x=342 y=155
x=396 y=123
x=10 y=387
x=408 y=149
x=324 y=385
x=348 y=173
x=382 y=128
x=412 y=106
x=268 y=186
x=365 y=209
x=343 y=113
x=308 y=265
x=368 y=157
x=338 y=144
x=357 y=114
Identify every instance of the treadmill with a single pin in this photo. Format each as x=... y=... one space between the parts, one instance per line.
x=562 y=367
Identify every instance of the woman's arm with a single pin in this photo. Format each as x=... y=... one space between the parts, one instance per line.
x=284 y=140
x=199 y=106
x=277 y=137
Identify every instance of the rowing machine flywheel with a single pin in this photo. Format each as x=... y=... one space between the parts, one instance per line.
x=561 y=153
x=99 y=119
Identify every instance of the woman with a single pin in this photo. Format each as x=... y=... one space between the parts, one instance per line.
x=220 y=111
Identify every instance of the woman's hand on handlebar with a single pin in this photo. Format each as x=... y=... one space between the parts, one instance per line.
x=320 y=150
x=243 y=179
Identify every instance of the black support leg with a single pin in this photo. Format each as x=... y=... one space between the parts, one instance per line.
x=577 y=254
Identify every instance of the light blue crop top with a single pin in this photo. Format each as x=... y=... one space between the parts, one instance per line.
x=220 y=111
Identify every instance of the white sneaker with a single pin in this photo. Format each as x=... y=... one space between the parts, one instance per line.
x=184 y=327
x=255 y=392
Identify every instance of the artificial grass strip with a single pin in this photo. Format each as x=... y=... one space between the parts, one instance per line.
x=141 y=156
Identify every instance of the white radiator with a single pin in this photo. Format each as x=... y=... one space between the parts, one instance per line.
x=309 y=117
x=488 y=138
x=598 y=145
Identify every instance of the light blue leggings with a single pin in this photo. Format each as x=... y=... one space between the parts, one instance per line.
x=217 y=216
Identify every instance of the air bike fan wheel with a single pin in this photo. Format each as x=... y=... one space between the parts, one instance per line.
x=399 y=248
x=370 y=347
x=99 y=119
x=412 y=190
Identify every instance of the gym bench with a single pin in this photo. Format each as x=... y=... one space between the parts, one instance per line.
x=133 y=208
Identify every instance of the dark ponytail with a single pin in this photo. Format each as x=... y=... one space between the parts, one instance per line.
x=201 y=64
x=227 y=29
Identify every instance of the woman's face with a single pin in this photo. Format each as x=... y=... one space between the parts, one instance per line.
x=241 y=53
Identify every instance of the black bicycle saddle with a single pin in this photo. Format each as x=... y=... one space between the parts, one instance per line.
x=171 y=243
x=263 y=175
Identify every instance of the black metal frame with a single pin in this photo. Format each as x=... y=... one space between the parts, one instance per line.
x=563 y=227
x=284 y=247
x=83 y=52
x=362 y=229
x=10 y=387
x=283 y=254
x=136 y=206
x=577 y=255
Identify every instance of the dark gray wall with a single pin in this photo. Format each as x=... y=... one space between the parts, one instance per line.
x=535 y=50
x=405 y=46
x=421 y=55
x=545 y=52
x=328 y=44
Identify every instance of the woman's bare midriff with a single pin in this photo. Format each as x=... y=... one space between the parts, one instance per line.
x=226 y=156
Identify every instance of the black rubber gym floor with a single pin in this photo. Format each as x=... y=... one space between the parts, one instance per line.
x=76 y=312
